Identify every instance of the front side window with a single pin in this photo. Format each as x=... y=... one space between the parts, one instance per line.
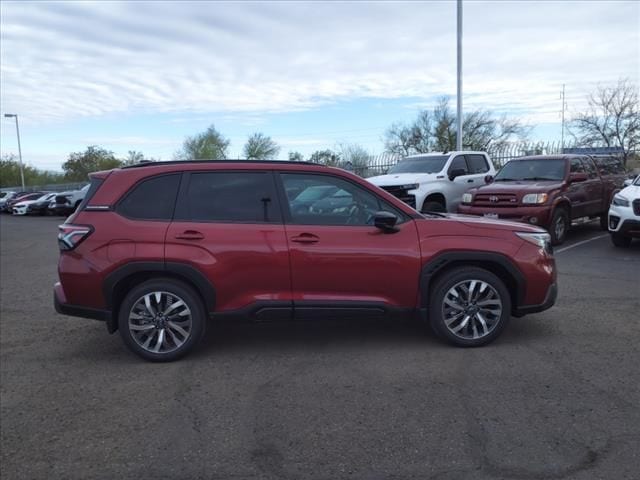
x=339 y=203
x=577 y=166
x=243 y=197
x=152 y=199
x=590 y=168
x=460 y=164
x=477 y=164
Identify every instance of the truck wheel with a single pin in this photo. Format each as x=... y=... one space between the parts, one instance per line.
x=559 y=226
x=433 y=207
x=469 y=306
x=620 y=240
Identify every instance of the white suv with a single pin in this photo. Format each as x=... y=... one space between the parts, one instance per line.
x=624 y=215
x=435 y=182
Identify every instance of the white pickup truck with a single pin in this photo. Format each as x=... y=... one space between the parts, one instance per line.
x=435 y=182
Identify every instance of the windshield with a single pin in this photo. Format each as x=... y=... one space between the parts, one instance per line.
x=533 y=170
x=637 y=182
x=430 y=164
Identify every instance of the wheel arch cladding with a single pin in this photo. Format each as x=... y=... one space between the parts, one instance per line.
x=123 y=279
x=496 y=263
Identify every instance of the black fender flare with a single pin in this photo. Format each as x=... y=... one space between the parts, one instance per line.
x=444 y=260
x=176 y=269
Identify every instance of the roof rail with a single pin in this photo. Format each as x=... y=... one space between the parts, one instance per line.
x=147 y=163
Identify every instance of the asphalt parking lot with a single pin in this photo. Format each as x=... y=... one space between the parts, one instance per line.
x=557 y=396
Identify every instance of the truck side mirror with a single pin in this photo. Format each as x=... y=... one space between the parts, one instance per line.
x=458 y=172
x=488 y=179
x=577 y=177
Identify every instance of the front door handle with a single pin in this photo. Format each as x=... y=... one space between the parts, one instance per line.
x=190 y=235
x=470 y=180
x=305 y=238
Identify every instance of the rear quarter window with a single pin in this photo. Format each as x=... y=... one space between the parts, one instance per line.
x=151 y=199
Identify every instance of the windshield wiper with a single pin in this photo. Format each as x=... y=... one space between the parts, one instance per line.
x=505 y=179
x=435 y=214
x=539 y=178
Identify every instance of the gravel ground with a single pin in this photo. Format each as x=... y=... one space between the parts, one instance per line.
x=557 y=396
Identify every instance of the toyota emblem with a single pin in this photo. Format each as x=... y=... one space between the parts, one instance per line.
x=493 y=198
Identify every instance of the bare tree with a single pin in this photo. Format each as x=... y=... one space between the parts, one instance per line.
x=260 y=147
x=295 y=156
x=611 y=118
x=436 y=131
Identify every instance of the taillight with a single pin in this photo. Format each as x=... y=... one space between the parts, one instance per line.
x=71 y=236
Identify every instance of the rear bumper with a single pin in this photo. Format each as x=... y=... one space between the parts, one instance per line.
x=532 y=215
x=64 y=308
x=549 y=301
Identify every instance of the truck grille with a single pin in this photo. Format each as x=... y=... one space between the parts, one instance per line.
x=636 y=206
x=495 y=200
x=401 y=193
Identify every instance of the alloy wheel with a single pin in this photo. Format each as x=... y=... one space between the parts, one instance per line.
x=471 y=309
x=160 y=322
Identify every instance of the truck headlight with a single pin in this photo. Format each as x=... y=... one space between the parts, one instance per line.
x=467 y=198
x=411 y=186
x=535 y=198
x=620 y=201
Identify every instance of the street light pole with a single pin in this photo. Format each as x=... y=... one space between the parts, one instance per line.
x=459 y=114
x=15 y=115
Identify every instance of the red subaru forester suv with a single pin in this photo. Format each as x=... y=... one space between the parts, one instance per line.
x=156 y=249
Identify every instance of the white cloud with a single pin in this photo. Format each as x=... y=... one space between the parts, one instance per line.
x=61 y=61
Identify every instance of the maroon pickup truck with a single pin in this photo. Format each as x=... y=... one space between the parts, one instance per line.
x=549 y=191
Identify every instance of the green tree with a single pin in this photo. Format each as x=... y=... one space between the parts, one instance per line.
x=260 y=147
x=208 y=145
x=10 y=174
x=435 y=130
x=612 y=117
x=80 y=164
x=295 y=157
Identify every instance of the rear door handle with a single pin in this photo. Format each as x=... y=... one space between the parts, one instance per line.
x=190 y=235
x=305 y=238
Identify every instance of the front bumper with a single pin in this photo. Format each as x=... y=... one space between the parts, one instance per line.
x=19 y=211
x=623 y=220
x=549 y=301
x=534 y=215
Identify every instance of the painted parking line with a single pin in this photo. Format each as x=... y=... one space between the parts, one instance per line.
x=581 y=243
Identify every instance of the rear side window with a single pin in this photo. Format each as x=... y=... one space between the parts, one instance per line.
x=477 y=164
x=609 y=165
x=152 y=199
x=93 y=188
x=244 y=197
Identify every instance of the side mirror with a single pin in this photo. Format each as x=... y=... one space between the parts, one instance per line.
x=385 y=221
x=458 y=172
x=577 y=177
x=488 y=179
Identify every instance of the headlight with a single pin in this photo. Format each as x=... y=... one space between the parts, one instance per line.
x=620 y=201
x=411 y=186
x=467 y=198
x=535 y=198
x=542 y=240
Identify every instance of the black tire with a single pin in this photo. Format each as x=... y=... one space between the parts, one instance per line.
x=559 y=226
x=495 y=323
x=433 y=207
x=172 y=288
x=604 y=221
x=620 y=240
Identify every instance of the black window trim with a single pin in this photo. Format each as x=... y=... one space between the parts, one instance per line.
x=116 y=206
x=466 y=162
x=286 y=212
x=180 y=213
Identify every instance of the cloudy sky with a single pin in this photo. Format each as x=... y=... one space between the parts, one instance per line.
x=143 y=75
